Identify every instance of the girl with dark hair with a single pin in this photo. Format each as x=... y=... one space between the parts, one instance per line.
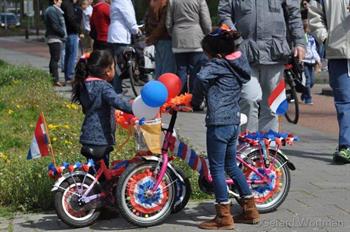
x=55 y=34
x=220 y=83
x=92 y=90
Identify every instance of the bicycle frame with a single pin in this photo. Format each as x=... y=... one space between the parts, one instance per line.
x=165 y=160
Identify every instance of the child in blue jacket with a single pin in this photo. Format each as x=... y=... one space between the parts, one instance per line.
x=92 y=89
x=220 y=83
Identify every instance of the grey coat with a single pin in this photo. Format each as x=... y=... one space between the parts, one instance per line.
x=187 y=22
x=263 y=24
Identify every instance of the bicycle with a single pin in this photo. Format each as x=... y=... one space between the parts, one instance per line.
x=80 y=195
x=265 y=166
x=293 y=76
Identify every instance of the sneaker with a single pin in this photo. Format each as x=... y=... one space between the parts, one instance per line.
x=308 y=102
x=342 y=156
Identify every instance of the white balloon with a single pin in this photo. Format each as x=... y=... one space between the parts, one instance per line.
x=141 y=110
x=244 y=119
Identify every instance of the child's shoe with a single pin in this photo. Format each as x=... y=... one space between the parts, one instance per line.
x=222 y=221
x=342 y=156
x=250 y=214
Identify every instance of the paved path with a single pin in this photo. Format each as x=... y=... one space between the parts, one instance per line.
x=319 y=198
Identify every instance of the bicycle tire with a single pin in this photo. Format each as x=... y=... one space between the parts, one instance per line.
x=131 y=209
x=66 y=215
x=293 y=102
x=185 y=194
x=132 y=80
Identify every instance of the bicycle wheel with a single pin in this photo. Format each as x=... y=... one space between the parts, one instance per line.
x=68 y=206
x=183 y=191
x=132 y=79
x=268 y=197
x=292 y=115
x=135 y=200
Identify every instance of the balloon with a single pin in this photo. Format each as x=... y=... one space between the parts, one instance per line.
x=141 y=110
x=154 y=94
x=173 y=84
x=244 y=119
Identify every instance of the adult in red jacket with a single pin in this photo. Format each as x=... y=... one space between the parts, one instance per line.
x=99 y=23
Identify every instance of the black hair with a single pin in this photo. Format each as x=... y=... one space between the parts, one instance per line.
x=51 y=2
x=95 y=65
x=221 y=44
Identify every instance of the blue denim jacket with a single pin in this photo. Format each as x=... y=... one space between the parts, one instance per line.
x=99 y=102
x=220 y=82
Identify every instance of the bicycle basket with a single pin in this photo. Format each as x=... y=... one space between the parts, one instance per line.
x=148 y=136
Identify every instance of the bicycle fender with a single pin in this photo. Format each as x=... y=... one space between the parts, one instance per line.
x=69 y=175
x=172 y=169
x=249 y=150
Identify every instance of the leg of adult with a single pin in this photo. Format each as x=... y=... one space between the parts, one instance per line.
x=308 y=70
x=250 y=97
x=100 y=45
x=164 y=58
x=182 y=67
x=269 y=78
x=71 y=56
x=339 y=80
x=117 y=51
x=55 y=52
x=63 y=55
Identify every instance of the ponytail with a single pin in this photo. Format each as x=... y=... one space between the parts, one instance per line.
x=81 y=73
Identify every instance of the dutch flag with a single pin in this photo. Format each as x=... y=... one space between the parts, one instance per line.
x=278 y=99
x=40 y=142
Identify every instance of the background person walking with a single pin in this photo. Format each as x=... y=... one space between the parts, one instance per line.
x=187 y=23
x=99 y=23
x=55 y=34
x=330 y=23
x=158 y=36
x=263 y=25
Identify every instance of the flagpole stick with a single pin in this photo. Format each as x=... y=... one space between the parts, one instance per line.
x=49 y=141
x=280 y=119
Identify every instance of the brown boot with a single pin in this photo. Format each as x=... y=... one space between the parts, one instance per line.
x=222 y=221
x=250 y=214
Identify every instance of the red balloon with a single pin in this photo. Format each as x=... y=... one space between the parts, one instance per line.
x=173 y=84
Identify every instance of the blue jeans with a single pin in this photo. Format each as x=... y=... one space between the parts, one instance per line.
x=117 y=51
x=164 y=58
x=221 y=147
x=310 y=76
x=72 y=46
x=189 y=64
x=339 y=80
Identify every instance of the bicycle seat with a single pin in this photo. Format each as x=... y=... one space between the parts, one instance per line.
x=129 y=50
x=95 y=152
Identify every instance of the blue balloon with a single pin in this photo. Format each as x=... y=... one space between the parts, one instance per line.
x=154 y=94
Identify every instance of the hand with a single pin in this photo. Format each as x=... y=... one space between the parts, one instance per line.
x=318 y=67
x=348 y=7
x=81 y=36
x=299 y=52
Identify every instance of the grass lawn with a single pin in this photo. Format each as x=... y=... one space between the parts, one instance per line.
x=24 y=93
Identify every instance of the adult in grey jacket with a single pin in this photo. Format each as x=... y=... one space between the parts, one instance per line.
x=263 y=25
x=187 y=22
x=330 y=24
x=55 y=34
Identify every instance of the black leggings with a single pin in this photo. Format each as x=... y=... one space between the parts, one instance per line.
x=55 y=53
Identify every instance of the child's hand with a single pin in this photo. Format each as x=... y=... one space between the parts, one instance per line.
x=318 y=67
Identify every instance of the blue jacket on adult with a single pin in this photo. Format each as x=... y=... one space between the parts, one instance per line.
x=264 y=25
x=54 y=22
x=220 y=83
x=99 y=102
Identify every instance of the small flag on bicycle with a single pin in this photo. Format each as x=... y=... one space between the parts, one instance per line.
x=278 y=99
x=40 y=142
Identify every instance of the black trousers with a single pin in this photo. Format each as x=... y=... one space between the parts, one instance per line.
x=55 y=53
x=100 y=45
